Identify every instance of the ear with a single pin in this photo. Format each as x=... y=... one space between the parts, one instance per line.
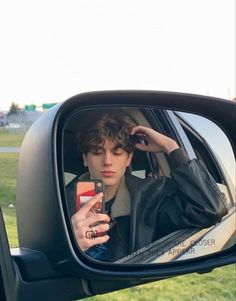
x=85 y=160
x=130 y=156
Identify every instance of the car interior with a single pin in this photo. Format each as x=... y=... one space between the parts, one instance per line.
x=145 y=165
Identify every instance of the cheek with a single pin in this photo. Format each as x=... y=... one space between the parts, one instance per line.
x=93 y=167
x=125 y=162
x=92 y=162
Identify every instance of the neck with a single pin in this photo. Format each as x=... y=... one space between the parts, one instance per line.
x=110 y=192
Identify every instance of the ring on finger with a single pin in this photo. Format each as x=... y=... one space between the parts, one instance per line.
x=92 y=234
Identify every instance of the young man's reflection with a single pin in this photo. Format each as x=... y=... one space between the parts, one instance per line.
x=139 y=211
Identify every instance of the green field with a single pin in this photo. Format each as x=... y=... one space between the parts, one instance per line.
x=218 y=285
x=10 y=137
x=8 y=167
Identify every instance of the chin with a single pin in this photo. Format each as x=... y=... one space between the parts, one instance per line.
x=109 y=182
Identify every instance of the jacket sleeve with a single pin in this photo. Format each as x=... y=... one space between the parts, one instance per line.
x=193 y=198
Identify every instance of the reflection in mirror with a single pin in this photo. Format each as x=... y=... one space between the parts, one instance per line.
x=144 y=186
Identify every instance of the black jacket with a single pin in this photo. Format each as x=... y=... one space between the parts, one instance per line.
x=189 y=199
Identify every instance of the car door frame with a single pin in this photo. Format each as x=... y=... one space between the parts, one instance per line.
x=7 y=272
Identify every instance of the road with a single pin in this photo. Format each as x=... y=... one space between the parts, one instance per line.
x=9 y=149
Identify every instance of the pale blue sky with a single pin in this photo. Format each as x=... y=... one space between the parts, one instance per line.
x=51 y=50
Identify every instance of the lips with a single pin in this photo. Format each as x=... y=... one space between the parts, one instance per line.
x=107 y=173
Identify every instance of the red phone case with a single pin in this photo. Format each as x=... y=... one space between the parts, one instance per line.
x=85 y=190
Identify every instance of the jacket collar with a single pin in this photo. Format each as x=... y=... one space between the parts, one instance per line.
x=121 y=205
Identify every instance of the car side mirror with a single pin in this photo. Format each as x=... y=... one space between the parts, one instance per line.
x=50 y=162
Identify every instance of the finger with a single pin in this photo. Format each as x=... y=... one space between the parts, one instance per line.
x=78 y=216
x=88 y=206
x=79 y=223
x=96 y=241
x=137 y=129
x=101 y=228
x=141 y=147
x=87 y=236
x=97 y=218
x=101 y=239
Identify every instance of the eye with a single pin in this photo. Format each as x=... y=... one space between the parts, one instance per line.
x=96 y=152
x=118 y=151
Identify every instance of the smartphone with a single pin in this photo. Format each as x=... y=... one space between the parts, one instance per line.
x=85 y=191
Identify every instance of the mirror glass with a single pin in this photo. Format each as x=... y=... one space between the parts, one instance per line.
x=147 y=185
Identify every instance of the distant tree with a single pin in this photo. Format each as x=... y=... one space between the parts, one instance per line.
x=14 y=108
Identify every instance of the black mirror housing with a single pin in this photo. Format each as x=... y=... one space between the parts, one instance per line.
x=42 y=218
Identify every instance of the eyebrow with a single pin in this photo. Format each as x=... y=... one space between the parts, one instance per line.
x=100 y=147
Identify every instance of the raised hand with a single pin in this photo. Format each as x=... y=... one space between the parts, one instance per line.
x=89 y=227
x=154 y=141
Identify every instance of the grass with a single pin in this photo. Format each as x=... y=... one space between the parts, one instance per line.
x=10 y=223
x=8 y=170
x=10 y=138
x=218 y=285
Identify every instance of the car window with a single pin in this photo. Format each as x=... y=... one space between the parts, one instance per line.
x=217 y=140
x=212 y=147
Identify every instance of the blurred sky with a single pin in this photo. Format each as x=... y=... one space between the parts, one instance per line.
x=51 y=50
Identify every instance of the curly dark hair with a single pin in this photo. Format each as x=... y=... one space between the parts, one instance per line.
x=97 y=125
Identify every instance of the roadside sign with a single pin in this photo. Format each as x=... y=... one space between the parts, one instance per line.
x=47 y=106
x=30 y=107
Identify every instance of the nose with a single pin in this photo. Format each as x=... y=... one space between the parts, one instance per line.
x=107 y=159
